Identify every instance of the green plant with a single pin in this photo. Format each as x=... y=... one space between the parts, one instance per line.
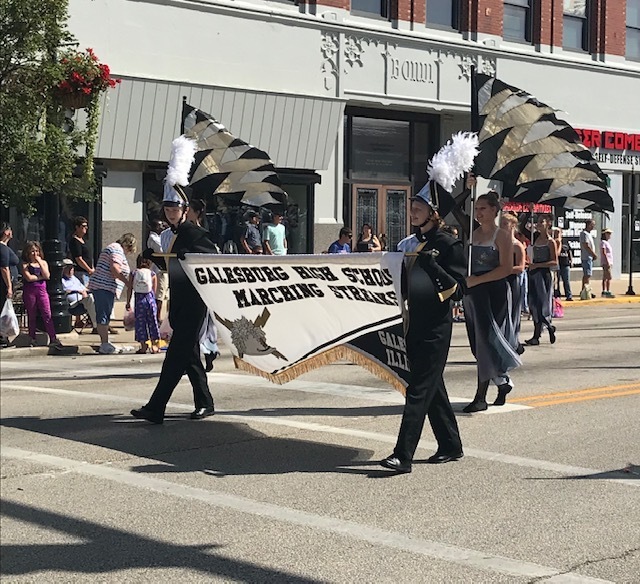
x=83 y=80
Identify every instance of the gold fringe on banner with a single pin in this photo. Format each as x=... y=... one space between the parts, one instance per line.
x=339 y=353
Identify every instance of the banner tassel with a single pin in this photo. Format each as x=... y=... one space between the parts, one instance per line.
x=339 y=353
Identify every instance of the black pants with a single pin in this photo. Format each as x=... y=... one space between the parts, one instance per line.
x=427 y=395
x=183 y=356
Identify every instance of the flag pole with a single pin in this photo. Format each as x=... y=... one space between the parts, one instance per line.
x=182 y=116
x=475 y=127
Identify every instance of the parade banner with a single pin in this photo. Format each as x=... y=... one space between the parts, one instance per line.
x=285 y=315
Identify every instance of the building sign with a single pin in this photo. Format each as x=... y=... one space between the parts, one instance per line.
x=572 y=224
x=612 y=148
x=517 y=208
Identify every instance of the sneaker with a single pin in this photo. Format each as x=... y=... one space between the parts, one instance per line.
x=107 y=349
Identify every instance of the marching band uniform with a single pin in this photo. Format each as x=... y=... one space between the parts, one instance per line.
x=187 y=312
x=431 y=281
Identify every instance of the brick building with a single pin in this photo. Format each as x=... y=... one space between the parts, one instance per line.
x=350 y=97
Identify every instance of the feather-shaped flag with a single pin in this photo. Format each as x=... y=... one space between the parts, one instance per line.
x=225 y=165
x=537 y=156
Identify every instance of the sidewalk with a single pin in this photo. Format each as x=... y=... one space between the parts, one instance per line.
x=87 y=344
x=74 y=343
x=618 y=288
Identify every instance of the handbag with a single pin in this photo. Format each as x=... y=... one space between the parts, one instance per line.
x=129 y=320
x=165 y=329
x=9 y=326
x=558 y=309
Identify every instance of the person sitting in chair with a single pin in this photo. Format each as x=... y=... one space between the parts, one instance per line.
x=80 y=300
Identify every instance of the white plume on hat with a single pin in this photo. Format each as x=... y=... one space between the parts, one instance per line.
x=454 y=159
x=183 y=153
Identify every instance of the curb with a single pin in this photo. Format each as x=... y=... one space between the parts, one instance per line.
x=621 y=299
x=66 y=351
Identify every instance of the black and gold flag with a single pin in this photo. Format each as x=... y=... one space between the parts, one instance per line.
x=538 y=157
x=225 y=165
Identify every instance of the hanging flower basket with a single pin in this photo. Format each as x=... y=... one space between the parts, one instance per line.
x=74 y=100
x=83 y=78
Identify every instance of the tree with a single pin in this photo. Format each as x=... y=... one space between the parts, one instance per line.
x=38 y=144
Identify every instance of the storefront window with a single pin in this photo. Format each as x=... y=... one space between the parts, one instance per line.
x=226 y=216
x=631 y=222
x=32 y=228
x=297 y=219
x=380 y=149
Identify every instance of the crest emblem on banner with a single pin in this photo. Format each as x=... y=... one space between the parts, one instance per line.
x=249 y=337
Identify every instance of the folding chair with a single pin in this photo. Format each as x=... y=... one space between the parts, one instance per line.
x=81 y=316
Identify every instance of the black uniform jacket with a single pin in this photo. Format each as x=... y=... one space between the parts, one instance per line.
x=429 y=281
x=185 y=301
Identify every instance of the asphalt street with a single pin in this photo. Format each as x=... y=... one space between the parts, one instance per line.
x=283 y=484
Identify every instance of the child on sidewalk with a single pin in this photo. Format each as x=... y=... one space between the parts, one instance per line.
x=606 y=261
x=35 y=273
x=143 y=284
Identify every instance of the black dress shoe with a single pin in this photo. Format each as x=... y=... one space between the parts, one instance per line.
x=532 y=342
x=475 y=406
x=552 y=334
x=149 y=415
x=441 y=458
x=200 y=413
x=394 y=463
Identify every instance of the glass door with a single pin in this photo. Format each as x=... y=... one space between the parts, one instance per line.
x=385 y=208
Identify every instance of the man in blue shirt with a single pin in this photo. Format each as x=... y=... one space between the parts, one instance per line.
x=342 y=245
x=251 y=240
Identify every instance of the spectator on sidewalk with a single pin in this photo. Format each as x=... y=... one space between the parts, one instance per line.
x=144 y=283
x=154 y=243
x=79 y=251
x=251 y=240
x=35 y=273
x=80 y=300
x=587 y=255
x=9 y=262
x=564 y=270
x=274 y=237
x=342 y=245
x=606 y=261
x=107 y=282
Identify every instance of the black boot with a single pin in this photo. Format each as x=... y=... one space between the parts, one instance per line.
x=209 y=358
x=537 y=331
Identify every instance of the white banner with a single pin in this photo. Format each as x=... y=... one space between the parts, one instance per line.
x=284 y=315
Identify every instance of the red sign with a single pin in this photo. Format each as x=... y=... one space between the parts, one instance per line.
x=609 y=140
x=526 y=207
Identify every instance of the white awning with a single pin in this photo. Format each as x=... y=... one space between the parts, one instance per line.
x=141 y=117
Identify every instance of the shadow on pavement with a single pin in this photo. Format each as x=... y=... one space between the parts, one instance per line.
x=629 y=472
x=390 y=410
x=209 y=446
x=106 y=549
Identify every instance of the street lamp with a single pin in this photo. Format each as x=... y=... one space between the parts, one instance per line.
x=54 y=254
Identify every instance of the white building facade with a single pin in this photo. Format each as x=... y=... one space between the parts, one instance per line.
x=348 y=103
